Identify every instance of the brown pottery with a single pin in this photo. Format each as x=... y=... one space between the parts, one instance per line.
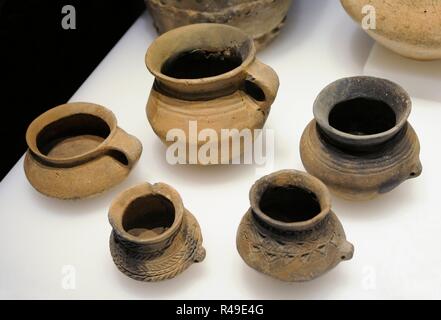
x=290 y=231
x=76 y=150
x=208 y=74
x=154 y=237
x=260 y=19
x=360 y=143
x=411 y=28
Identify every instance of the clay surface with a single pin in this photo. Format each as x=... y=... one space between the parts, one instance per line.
x=154 y=237
x=290 y=232
x=260 y=19
x=237 y=93
x=366 y=148
x=411 y=28
x=77 y=150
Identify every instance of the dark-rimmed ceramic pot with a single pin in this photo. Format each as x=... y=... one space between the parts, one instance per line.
x=360 y=143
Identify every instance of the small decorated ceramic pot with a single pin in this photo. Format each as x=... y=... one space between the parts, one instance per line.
x=409 y=28
x=207 y=77
x=154 y=237
x=260 y=19
x=290 y=231
x=76 y=150
x=360 y=143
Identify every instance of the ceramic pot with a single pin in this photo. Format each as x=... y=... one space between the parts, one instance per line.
x=154 y=237
x=208 y=74
x=409 y=28
x=76 y=150
x=261 y=19
x=290 y=231
x=360 y=143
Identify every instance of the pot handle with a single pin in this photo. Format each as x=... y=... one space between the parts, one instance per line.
x=346 y=250
x=262 y=84
x=124 y=147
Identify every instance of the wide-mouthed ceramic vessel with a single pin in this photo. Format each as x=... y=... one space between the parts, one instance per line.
x=76 y=150
x=207 y=81
x=360 y=143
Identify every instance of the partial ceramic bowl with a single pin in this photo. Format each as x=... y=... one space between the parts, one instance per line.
x=260 y=19
x=409 y=28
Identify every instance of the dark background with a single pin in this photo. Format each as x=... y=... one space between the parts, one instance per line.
x=42 y=64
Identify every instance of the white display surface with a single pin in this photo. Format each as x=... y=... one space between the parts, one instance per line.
x=397 y=237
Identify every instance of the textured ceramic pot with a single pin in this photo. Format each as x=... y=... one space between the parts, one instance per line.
x=208 y=74
x=260 y=19
x=76 y=150
x=409 y=28
x=154 y=237
x=360 y=143
x=290 y=231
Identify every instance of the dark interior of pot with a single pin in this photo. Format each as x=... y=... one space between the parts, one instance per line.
x=148 y=216
x=289 y=203
x=362 y=116
x=201 y=63
x=73 y=135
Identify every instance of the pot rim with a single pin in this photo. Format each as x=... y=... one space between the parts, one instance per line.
x=293 y=178
x=63 y=111
x=155 y=69
x=124 y=199
x=336 y=91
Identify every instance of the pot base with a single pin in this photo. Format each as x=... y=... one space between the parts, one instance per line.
x=184 y=250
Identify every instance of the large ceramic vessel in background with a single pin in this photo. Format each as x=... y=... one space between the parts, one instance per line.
x=77 y=150
x=290 y=231
x=360 y=143
x=260 y=19
x=154 y=237
x=208 y=75
x=409 y=28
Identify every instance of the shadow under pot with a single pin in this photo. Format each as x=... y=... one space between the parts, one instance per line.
x=290 y=231
x=154 y=237
x=207 y=83
x=260 y=19
x=360 y=143
x=76 y=150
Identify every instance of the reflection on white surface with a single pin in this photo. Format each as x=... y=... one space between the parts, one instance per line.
x=395 y=236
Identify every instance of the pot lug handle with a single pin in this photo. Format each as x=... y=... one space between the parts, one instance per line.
x=416 y=170
x=262 y=84
x=199 y=255
x=346 y=250
x=124 y=147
